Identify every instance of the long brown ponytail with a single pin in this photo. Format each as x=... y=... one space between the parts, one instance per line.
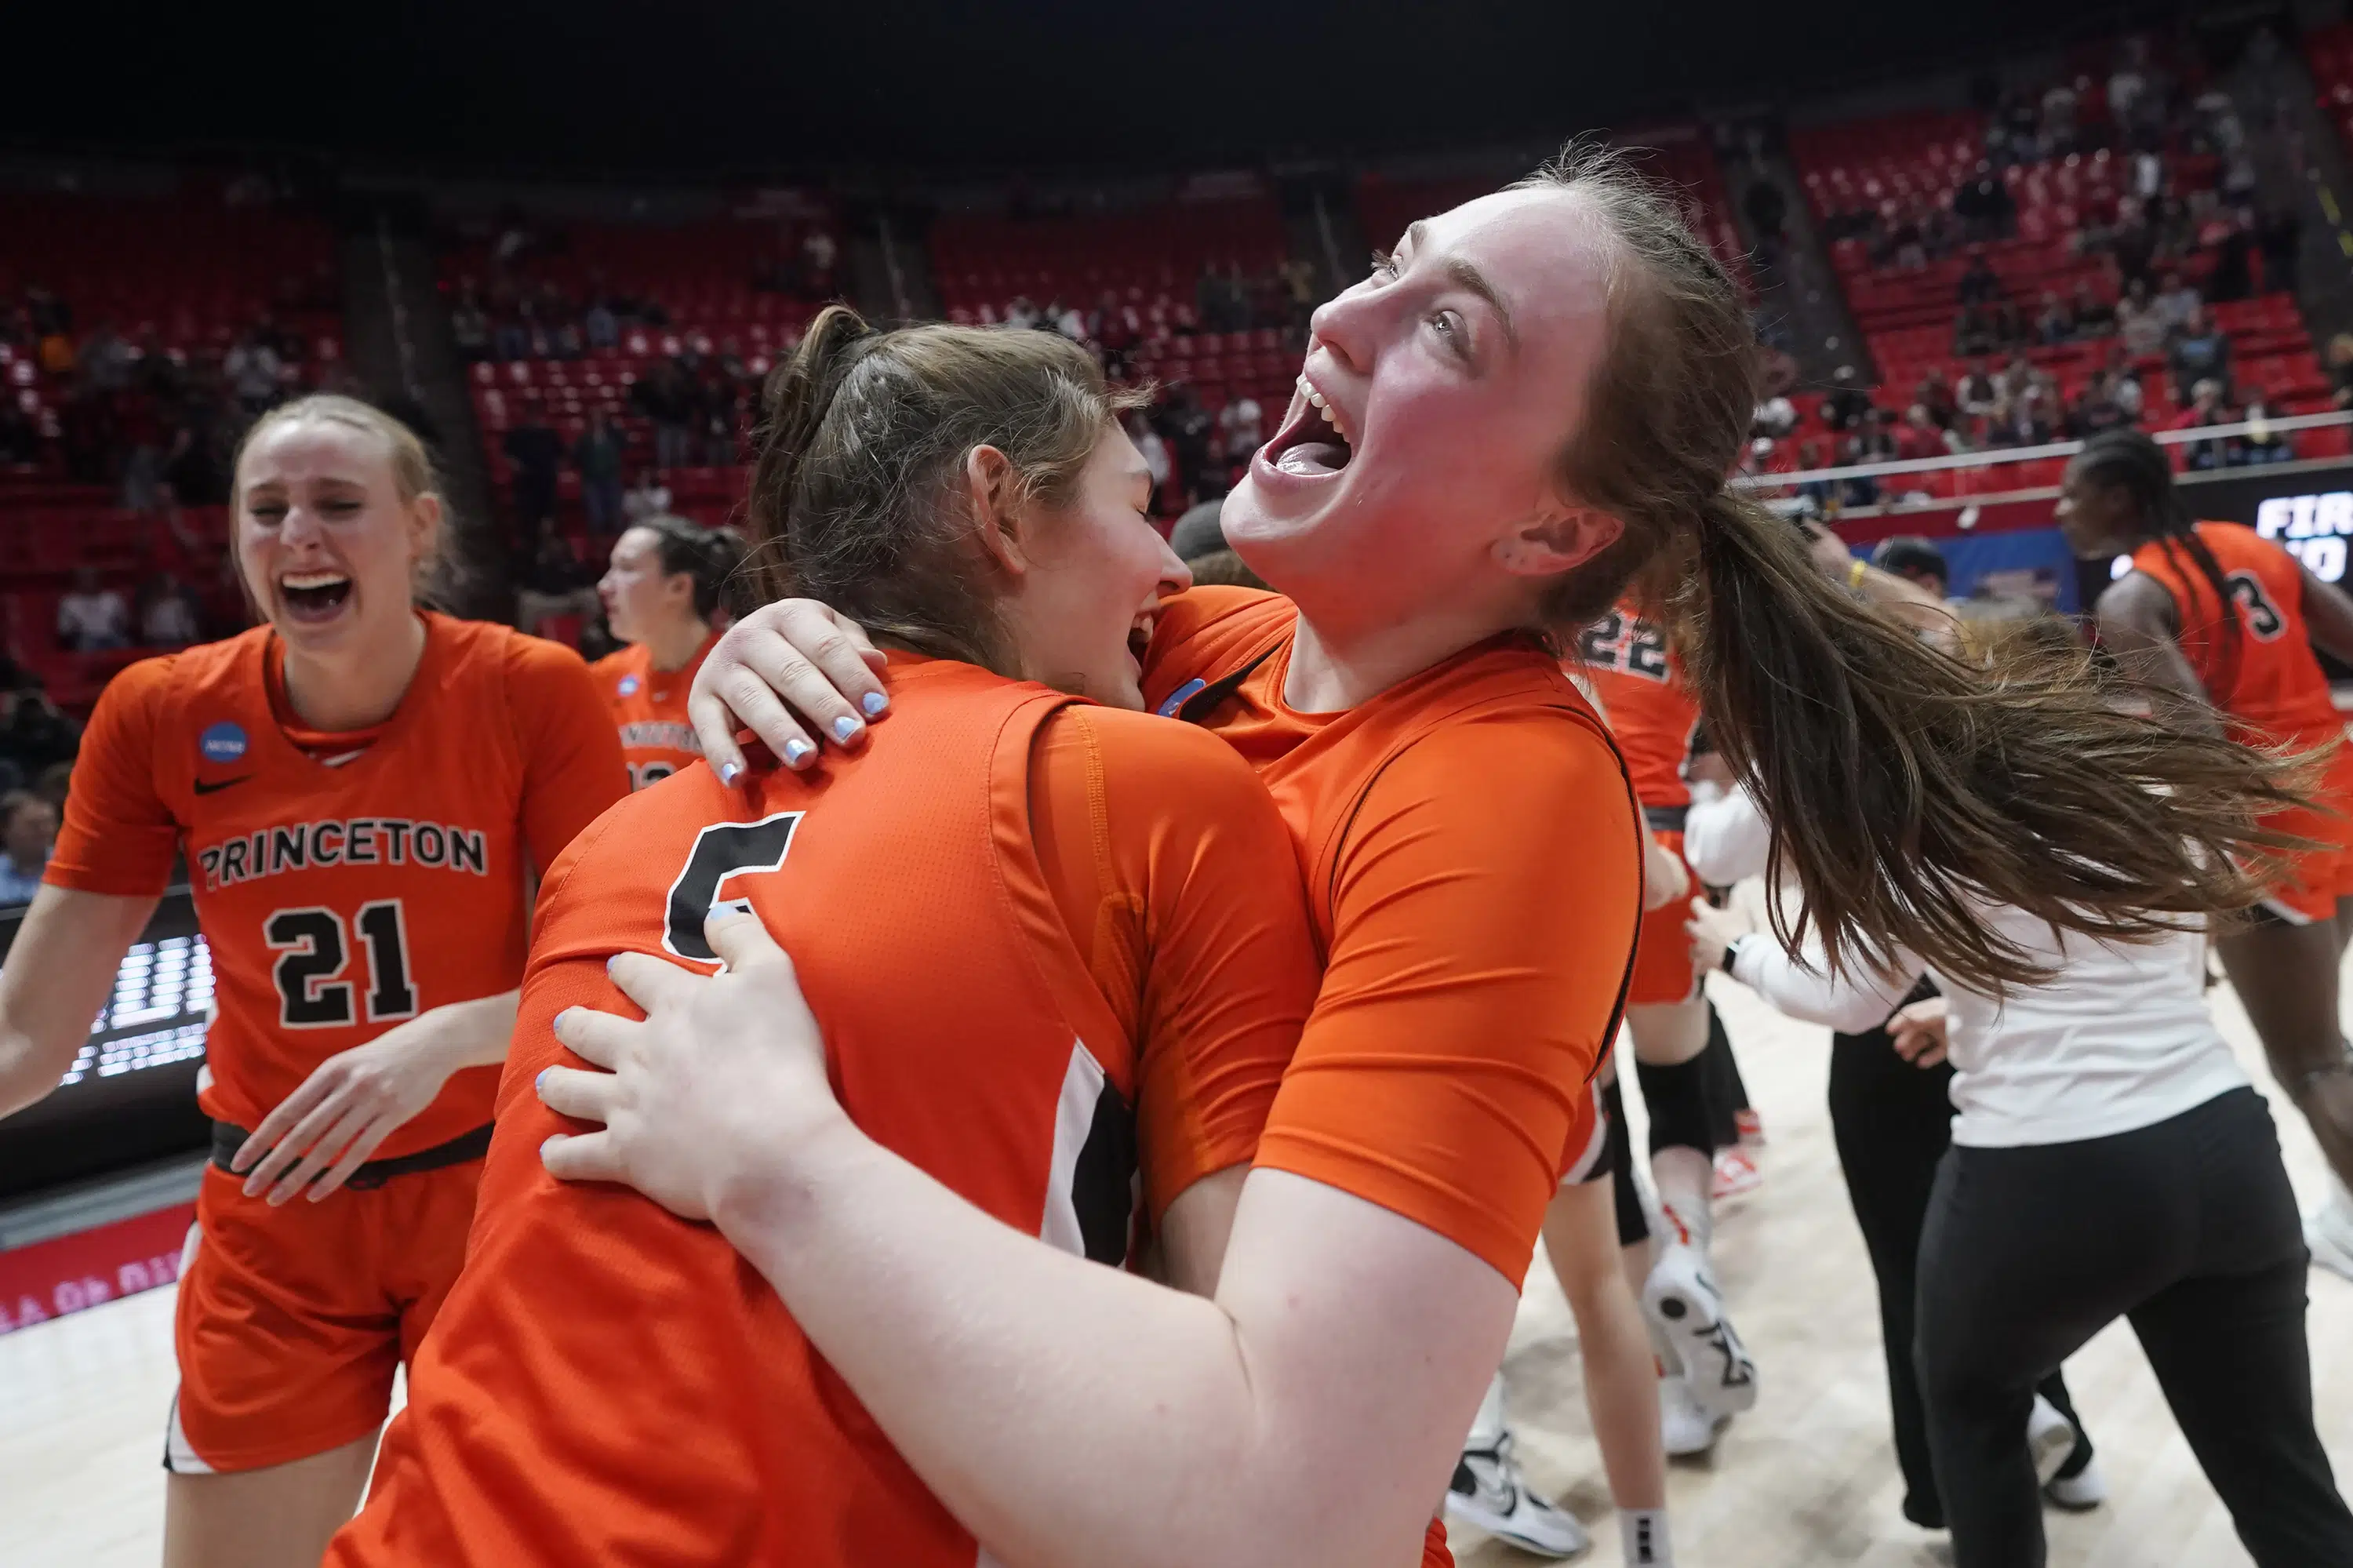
x=1903 y=784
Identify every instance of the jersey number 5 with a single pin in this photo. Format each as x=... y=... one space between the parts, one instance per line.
x=721 y=851
x=311 y=946
x=2263 y=617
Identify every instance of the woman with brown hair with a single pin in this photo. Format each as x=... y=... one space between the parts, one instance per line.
x=1527 y=411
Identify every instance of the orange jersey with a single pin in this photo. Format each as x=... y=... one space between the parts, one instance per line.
x=649 y=706
x=1473 y=862
x=2262 y=672
x=1016 y=917
x=340 y=899
x=1643 y=697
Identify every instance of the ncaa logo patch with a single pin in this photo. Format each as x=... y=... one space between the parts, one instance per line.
x=224 y=742
x=629 y=686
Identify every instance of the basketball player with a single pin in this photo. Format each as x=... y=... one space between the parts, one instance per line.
x=661 y=592
x=1708 y=1377
x=1536 y=398
x=361 y=791
x=1111 y=950
x=2226 y=621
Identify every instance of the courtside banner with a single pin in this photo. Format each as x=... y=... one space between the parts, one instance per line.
x=66 y=1273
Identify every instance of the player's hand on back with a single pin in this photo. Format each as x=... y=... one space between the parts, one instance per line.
x=790 y=673
x=343 y=1111
x=723 y=1070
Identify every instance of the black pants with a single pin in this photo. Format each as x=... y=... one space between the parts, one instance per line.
x=1891 y=1123
x=2188 y=1228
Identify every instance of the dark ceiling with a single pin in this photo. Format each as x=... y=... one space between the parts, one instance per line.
x=699 y=88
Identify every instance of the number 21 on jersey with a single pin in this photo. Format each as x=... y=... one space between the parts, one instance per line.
x=314 y=946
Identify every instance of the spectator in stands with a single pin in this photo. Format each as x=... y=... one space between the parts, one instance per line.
x=253 y=371
x=35 y=735
x=1976 y=393
x=1242 y=429
x=1846 y=403
x=599 y=455
x=1984 y=204
x=1874 y=441
x=537 y=452
x=1979 y=284
x=1021 y=315
x=2201 y=351
x=2176 y=300
x=1936 y=393
x=552 y=582
x=2263 y=444
x=1154 y=452
x=2279 y=240
x=2096 y=409
x=2094 y=316
x=1921 y=435
x=650 y=497
x=599 y=326
x=2054 y=323
x=28 y=831
x=722 y=398
x=1191 y=430
x=1117 y=331
x=2340 y=370
x=666 y=399
x=2124 y=382
x=93 y=617
x=1973 y=331
x=819 y=251
x=168 y=617
x=105 y=360
x=469 y=326
x=2206 y=408
x=2138 y=321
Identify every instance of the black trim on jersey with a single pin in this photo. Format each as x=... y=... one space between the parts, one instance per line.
x=1196 y=709
x=1103 y=1180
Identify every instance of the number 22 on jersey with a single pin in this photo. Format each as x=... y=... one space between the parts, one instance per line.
x=314 y=948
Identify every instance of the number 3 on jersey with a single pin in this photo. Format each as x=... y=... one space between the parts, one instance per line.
x=313 y=945
x=2263 y=619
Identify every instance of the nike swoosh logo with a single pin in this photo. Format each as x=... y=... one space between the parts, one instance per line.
x=204 y=788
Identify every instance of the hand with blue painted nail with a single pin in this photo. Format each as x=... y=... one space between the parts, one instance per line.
x=786 y=665
x=711 y=1094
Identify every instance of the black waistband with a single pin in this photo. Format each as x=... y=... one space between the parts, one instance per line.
x=228 y=1138
x=1665 y=819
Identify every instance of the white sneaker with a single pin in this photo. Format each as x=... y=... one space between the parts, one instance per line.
x=2086 y=1489
x=1683 y=1304
x=1684 y=1428
x=2329 y=1231
x=1487 y=1492
x=2050 y=1439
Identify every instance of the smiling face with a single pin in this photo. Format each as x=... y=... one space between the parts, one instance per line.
x=1092 y=574
x=639 y=598
x=328 y=545
x=1426 y=435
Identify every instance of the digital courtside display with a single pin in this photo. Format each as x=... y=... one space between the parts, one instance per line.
x=129 y=1096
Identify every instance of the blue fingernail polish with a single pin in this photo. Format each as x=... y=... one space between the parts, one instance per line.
x=539 y=1084
x=844 y=728
x=797 y=752
x=728 y=771
x=874 y=703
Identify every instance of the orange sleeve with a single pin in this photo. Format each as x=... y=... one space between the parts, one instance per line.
x=1175 y=878
x=572 y=760
x=1195 y=633
x=1484 y=910
x=119 y=836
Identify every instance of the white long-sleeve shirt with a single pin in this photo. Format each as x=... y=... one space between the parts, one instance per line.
x=2120 y=1038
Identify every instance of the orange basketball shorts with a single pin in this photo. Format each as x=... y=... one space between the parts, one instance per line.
x=1662 y=971
x=2310 y=883
x=292 y=1320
